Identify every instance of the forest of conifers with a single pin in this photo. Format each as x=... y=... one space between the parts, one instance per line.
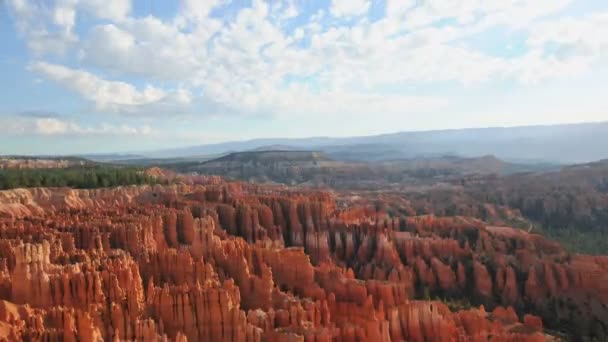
x=86 y=177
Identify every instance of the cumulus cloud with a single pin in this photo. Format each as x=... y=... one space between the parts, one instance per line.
x=252 y=63
x=349 y=8
x=115 y=10
x=566 y=37
x=50 y=126
x=198 y=10
x=147 y=48
x=107 y=95
x=48 y=27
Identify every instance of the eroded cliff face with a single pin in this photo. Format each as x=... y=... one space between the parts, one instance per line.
x=216 y=261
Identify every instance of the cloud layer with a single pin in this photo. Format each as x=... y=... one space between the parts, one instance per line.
x=259 y=61
x=56 y=126
x=290 y=58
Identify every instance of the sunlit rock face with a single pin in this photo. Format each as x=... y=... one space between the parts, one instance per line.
x=210 y=260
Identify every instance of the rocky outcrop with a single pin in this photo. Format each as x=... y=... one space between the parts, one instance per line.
x=213 y=261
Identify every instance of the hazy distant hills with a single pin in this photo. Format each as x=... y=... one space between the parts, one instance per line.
x=280 y=166
x=270 y=156
x=318 y=169
x=573 y=143
x=109 y=157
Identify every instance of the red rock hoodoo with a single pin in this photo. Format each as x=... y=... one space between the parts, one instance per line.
x=218 y=261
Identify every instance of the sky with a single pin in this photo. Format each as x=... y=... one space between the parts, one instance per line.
x=100 y=76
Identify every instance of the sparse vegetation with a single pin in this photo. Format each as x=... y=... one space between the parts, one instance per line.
x=575 y=240
x=456 y=304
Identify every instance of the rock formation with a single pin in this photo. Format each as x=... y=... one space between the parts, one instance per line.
x=208 y=260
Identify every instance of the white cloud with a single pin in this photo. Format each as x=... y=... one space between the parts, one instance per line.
x=198 y=10
x=65 y=17
x=107 y=95
x=146 y=47
x=512 y=13
x=99 y=90
x=291 y=10
x=565 y=47
x=54 y=126
x=252 y=63
x=49 y=26
x=586 y=36
x=47 y=29
x=51 y=126
x=349 y=8
x=114 y=10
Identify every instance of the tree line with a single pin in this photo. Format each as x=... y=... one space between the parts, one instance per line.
x=84 y=177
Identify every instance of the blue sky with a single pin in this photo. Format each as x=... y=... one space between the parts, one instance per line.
x=94 y=76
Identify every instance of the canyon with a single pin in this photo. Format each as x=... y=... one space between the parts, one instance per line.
x=206 y=259
x=567 y=202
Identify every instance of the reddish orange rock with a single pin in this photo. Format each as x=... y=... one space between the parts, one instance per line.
x=234 y=261
x=533 y=322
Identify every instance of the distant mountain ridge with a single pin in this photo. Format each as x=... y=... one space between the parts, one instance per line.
x=289 y=167
x=271 y=156
x=569 y=143
x=317 y=169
